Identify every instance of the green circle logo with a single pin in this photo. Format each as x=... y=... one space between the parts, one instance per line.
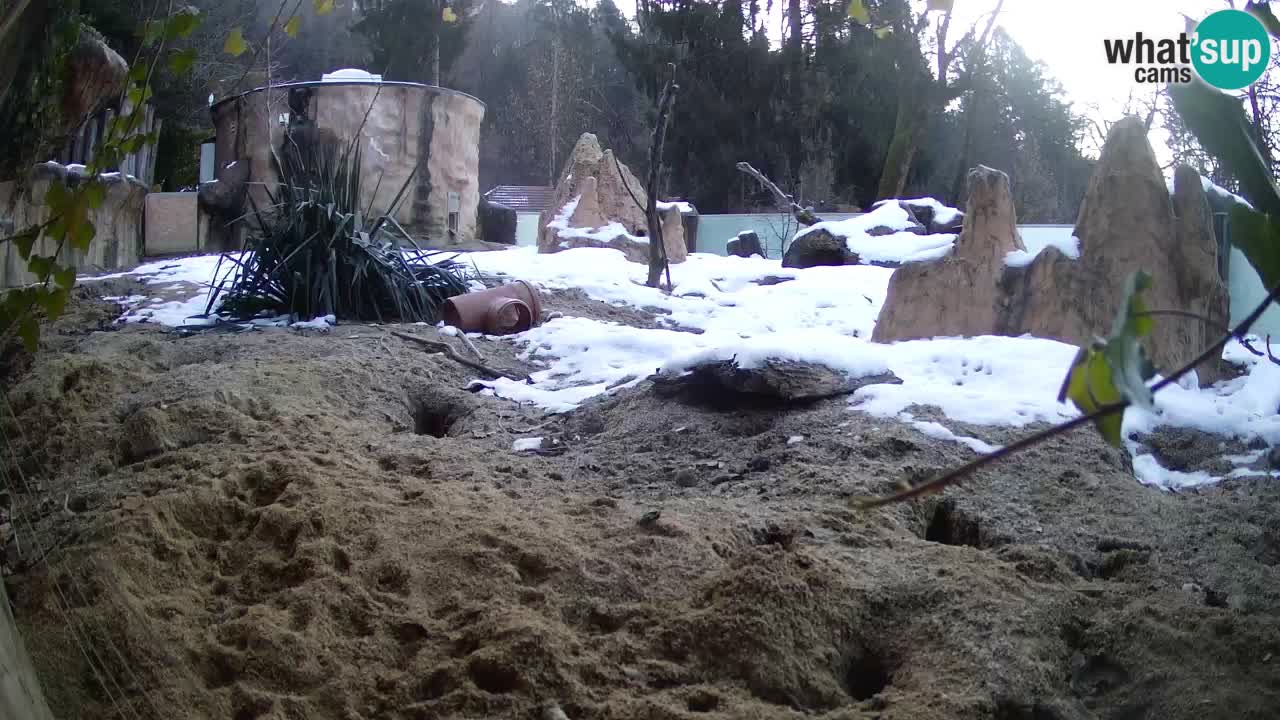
x=1232 y=49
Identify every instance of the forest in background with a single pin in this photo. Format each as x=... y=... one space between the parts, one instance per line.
x=838 y=113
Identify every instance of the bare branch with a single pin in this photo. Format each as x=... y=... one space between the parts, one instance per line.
x=784 y=201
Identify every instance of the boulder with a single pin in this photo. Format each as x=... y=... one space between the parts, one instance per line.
x=818 y=248
x=599 y=202
x=1127 y=222
x=497 y=223
x=745 y=245
x=958 y=294
x=925 y=212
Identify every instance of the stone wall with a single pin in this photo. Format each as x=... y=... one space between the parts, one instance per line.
x=403 y=128
x=118 y=242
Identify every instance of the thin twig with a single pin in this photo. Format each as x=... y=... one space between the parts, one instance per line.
x=625 y=184
x=938 y=483
x=449 y=352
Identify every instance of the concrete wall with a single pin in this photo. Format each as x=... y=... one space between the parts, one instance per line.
x=20 y=693
x=118 y=242
x=403 y=127
x=175 y=225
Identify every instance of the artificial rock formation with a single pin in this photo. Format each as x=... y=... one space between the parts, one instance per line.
x=958 y=294
x=96 y=74
x=1127 y=222
x=606 y=192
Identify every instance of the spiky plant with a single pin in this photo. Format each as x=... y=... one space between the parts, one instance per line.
x=314 y=251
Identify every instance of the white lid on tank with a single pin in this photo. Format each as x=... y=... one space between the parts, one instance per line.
x=350 y=75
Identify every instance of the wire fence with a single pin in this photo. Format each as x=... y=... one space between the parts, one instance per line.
x=38 y=542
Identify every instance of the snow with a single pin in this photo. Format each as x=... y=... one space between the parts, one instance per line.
x=683 y=207
x=1212 y=188
x=795 y=439
x=320 y=323
x=527 y=444
x=1036 y=239
x=900 y=246
x=940 y=432
x=197 y=270
x=612 y=231
x=942 y=214
x=350 y=75
x=823 y=315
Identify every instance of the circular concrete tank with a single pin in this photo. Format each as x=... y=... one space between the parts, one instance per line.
x=402 y=126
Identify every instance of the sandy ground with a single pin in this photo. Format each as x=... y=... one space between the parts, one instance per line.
x=279 y=524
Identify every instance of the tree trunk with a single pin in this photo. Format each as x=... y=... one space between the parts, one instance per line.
x=657 y=249
x=555 y=108
x=902 y=149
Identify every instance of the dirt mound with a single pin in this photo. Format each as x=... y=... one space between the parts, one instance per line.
x=282 y=525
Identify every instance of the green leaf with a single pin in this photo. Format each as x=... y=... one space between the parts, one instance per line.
x=132 y=144
x=292 y=27
x=235 y=44
x=82 y=234
x=183 y=23
x=139 y=94
x=138 y=73
x=107 y=156
x=40 y=266
x=1130 y=368
x=180 y=63
x=1089 y=387
x=29 y=331
x=1258 y=237
x=57 y=197
x=323 y=7
x=152 y=32
x=1220 y=125
x=1116 y=368
x=858 y=12
x=54 y=302
x=65 y=277
x=95 y=194
x=25 y=241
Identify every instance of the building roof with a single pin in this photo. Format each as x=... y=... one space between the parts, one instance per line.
x=523 y=198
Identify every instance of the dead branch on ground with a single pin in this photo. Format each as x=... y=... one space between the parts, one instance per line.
x=784 y=201
x=448 y=351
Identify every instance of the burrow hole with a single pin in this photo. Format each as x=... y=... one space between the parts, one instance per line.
x=865 y=676
x=435 y=415
x=951 y=526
